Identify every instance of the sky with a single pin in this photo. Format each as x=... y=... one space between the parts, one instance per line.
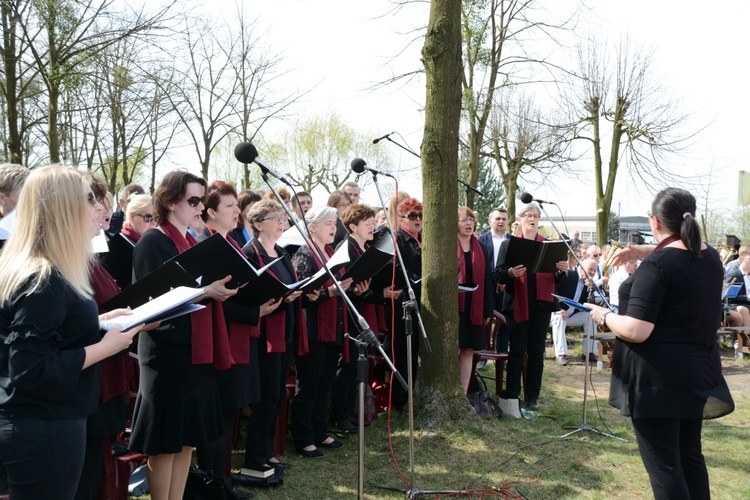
x=341 y=48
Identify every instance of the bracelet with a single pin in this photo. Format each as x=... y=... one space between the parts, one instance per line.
x=603 y=319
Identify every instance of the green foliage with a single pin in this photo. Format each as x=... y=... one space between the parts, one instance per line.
x=613 y=227
x=492 y=189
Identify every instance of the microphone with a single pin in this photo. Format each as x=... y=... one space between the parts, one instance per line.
x=527 y=198
x=375 y=141
x=359 y=165
x=246 y=153
x=469 y=186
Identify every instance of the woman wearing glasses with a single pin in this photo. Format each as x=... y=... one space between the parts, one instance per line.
x=326 y=324
x=139 y=218
x=50 y=342
x=527 y=306
x=178 y=406
x=409 y=241
x=282 y=335
x=474 y=308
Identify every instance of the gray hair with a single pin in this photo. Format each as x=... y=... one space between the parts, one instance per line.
x=12 y=177
x=260 y=211
x=319 y=214
x=528 y=207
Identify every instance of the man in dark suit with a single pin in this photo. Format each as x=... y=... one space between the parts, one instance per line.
x=740 y=274
x=498 y=221
x=575 y=287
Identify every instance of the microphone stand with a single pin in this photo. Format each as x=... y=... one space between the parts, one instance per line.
x=402 y=147
x=592 y=289
x=365 y=338
x=409 y=307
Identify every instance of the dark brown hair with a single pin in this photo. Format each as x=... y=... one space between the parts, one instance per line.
x=171 y=191
x=354 y=214
x=215 y=191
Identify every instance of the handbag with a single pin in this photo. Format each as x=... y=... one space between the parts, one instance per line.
x=483 y=404
x=204 y=485
x=509 y=403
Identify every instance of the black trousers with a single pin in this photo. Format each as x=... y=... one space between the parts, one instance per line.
x=527 y=337
x=671 y=452
x=316 y=375
x=262 y=425
x=345 y=388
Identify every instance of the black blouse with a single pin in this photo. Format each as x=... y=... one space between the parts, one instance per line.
x=676 y=372
x=42 y=340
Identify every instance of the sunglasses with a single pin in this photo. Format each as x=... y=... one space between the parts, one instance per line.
x=194 y=201
x=596 y=255
x=148 y=217
x=413 y=216
x=91 y=198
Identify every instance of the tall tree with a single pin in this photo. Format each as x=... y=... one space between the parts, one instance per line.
x=522 y=142
x=496 y=49
x=644 y=122
x=439 y=393
x=63 y=34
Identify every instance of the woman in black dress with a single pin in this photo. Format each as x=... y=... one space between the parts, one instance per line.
x=409 y=240
x=474 y=308
x=666 y=367
x=178 y=405
x=359 y=221
x=527 y=306
x=50 y=344
x=326 y=324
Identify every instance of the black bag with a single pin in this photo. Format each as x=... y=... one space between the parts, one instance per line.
x=483 y=404
x=204 y=486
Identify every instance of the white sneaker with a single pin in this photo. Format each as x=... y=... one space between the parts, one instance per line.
x=562 y=360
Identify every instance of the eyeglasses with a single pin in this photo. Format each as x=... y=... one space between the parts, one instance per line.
x=147 y=217
x=596 y=255
x=412 y=216
x=194 y=201
x=276 y=219
x=91 y=198
x=530 y=216
x=467 y=219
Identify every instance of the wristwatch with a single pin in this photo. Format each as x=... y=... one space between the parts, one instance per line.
x=603 y=319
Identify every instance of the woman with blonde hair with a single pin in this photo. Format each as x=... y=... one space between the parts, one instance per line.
x=139 y=218
x=50 y=344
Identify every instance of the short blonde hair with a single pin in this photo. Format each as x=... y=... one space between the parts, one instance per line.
x=136 y=205
x=53 y=231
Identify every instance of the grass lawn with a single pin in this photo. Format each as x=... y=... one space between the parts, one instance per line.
x=519 y=458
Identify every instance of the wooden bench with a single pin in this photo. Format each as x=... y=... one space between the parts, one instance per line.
x=741 y=336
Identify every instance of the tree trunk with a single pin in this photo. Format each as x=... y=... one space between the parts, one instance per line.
x=440 y=396
x=10 y=60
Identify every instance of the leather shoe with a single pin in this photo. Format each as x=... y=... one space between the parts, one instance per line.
x=533 y=404
x=592 y=358
x=316 y=453
x=331 y=446
x=279 y=465
x=346 y=427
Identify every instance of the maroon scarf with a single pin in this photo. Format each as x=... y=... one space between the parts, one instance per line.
x=478 y=269
x=131 y=234
x=275 y=323
x=328 y=309
x=209 y=338
x=114 y=367
x=545 y=287
x=239 y=333
x=666 y=241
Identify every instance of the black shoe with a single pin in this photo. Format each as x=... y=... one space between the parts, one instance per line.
x=346 y=426
x=331 y=446
x=316 y=453
x=592 y=358
x=532 y=404
x=233 y=493
x=279 y=465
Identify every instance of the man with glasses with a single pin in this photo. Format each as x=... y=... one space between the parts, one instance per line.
x=593 y=252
